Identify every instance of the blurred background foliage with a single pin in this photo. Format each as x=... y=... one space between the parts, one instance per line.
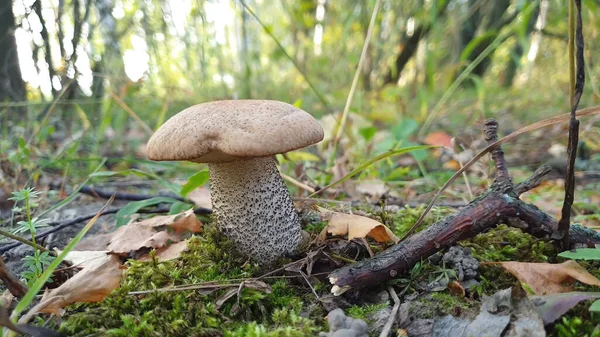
x=96 y=77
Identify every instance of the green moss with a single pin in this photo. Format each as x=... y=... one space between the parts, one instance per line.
x=365 y=311
x=573 y=326
x=195 y=312
x=438 y=304
x=504 y=243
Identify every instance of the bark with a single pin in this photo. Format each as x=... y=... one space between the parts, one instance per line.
x=12 y=86
x=37 y=7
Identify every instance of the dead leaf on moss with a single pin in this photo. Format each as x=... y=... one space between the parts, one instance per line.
x=170 y=252
x=146 y=234
x=546 y=278
x=355 y=226
x=184 y=221
x=133 y=237
x=92 y=284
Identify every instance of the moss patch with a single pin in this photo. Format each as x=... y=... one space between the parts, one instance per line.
x=195 y=312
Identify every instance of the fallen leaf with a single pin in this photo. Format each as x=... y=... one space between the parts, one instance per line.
x=456 y=289
x=545 y=278
x=355 y=226
x=200 y=197
x=167 y=253
x=84 y=259
x=133 y=237
x=439 y=138
x=552 y=307
x=374 y=188
x=185 y=221
x=92 y=284
x=97 y=242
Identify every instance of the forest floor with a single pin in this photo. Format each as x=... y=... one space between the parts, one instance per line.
x=205 y=289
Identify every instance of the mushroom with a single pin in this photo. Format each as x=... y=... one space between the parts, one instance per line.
x=238 y=139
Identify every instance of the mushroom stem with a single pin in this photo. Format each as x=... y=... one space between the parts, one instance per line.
x=254 y=209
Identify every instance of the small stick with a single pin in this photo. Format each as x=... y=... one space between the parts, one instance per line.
x=390 y=322
x=16 y=287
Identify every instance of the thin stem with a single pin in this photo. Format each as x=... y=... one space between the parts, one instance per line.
x=361 y=61
x=571 y=48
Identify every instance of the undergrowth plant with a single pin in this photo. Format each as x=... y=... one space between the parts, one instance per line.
x=35 y=264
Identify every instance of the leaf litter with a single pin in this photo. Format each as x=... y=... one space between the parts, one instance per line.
x=101 y=270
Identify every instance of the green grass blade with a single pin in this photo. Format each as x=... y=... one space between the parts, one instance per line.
x=39 y=283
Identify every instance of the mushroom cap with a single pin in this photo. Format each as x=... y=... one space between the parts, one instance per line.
x=223 y=131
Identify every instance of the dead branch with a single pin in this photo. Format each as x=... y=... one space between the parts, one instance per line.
x=500 y=204
x=12 y=283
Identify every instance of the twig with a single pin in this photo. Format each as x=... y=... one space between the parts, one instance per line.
x=491 y=136
x=104 y=194
x=535 y=126
x=16 y=287
x=534 y=181
x=298 y=183
x=500 y=204
x=577 y=81
x=22 y=240
x=390 y=322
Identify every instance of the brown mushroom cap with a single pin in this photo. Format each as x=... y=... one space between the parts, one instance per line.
x=224 y=131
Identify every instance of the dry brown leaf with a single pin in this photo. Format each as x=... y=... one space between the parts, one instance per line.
x=355 y=226
x=200 y=197
x=82 y=259
x=134 y=236
x=545 y=278
x=167 y=253
x=92 y=284
x=184 y=221
x=97 y=242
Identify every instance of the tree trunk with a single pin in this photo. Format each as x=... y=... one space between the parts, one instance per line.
x=514 y=61
x=12 y=86
x=487 y=18
x=410 y=44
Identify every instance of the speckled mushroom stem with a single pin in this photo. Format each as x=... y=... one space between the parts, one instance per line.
x=254 y=209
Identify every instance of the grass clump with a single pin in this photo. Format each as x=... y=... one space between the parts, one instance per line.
x=195 y=312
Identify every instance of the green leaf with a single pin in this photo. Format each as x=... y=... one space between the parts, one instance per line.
x=368 y=133
x=595 y=307
x=195 y=181
x=582 y=254
x=178 y=207
x=124 y=214
x=302 y=156
x=404 y=129
x=398 y=173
